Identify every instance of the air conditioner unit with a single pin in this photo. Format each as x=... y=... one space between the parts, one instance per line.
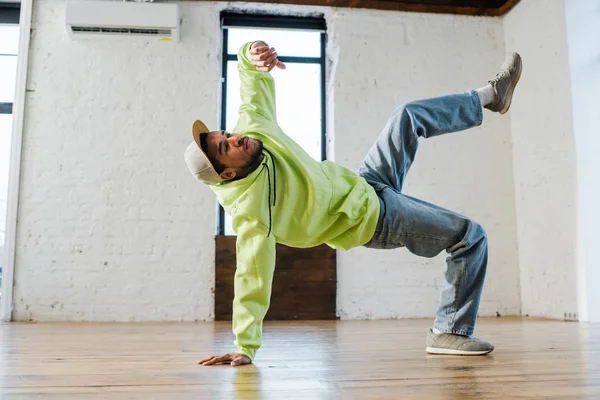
x=95 y=18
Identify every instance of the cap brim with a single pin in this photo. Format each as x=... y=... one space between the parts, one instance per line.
x=198 y=128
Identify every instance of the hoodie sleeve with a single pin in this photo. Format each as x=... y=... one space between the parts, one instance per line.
x=252 y=283
x=257 y=89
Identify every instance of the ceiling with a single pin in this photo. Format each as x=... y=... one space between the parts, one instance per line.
x=464 y=7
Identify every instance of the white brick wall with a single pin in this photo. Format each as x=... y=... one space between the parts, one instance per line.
x=583 y=33
x=111 y=224
x=544 y=159
x=389 y=58
x=113 y=228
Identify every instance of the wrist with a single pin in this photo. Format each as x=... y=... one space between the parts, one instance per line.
x=258 y=43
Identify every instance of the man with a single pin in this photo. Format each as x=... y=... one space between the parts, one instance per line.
x=275 y=192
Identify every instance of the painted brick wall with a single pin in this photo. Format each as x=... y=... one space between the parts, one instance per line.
x=544 y=160
x=111 y=224
x=583 y=33
x=385 y=59
x=113 y=228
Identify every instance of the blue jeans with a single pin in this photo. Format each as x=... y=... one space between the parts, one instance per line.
x=423 y=228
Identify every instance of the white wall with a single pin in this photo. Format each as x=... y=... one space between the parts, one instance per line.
x=111 y=225
x=385 y=59
x=544 y=159
x=583 y=33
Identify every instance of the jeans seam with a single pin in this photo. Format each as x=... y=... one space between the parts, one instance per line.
x=454 y=128
x=457 y=291
x=413 y=234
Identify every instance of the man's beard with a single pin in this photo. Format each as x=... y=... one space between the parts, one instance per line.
x=256 y=155
x=255 y=160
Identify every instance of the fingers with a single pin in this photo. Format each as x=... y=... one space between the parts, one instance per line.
x=216 y=359
x=277 y=64
x=269 y=67
x=265 y=58
x=261 y=53
x=266 y=62
x=236 y=360
x=208 y=360
x=259 y=48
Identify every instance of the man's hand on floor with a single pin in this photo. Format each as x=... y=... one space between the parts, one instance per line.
x=233 y=358
x=264 y=57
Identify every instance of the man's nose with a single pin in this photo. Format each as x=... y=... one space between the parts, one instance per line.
x=234 y=140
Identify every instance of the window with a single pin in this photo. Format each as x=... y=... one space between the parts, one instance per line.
x=9 y=43
x=300 y=43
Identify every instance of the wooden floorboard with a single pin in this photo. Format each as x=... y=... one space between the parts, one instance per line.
x=300 y=360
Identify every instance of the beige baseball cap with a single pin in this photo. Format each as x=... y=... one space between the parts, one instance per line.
x=197 y=161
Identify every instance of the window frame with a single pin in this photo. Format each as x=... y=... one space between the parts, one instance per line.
x=237 y=20
x=9 y=15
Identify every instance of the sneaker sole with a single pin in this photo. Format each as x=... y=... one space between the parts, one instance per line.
x=512 y=88
x=452 y=352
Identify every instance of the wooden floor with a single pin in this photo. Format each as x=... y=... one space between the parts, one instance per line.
x=316 y=360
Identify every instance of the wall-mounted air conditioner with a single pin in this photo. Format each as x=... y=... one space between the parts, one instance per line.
x=96 y=18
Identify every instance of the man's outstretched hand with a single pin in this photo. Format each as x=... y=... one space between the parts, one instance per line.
x=233 y=358
x=264 y=57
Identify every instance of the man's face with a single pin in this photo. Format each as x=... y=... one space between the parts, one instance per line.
x=233 y=151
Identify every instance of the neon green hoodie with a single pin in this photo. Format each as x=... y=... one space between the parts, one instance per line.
x=290 y=198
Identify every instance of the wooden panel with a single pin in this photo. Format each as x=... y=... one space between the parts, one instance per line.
x=349 y=360
x=304 y=283
x=464 y=7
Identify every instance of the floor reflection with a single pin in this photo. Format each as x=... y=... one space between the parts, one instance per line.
x=247 y=383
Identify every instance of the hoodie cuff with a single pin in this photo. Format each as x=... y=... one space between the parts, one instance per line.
x=249 y=352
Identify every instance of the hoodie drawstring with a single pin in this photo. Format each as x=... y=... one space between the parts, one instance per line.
x=274 y=187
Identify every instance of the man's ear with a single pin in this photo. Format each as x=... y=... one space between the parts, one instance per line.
x=228 y=174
